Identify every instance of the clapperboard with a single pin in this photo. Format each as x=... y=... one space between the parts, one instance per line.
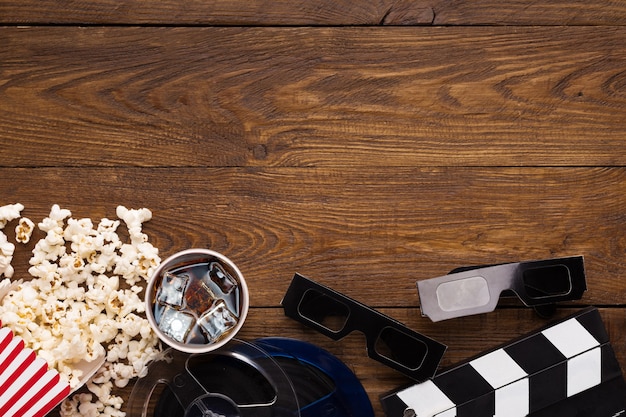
x=567 y=369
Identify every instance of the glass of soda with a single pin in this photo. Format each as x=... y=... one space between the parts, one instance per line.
x=197 y=300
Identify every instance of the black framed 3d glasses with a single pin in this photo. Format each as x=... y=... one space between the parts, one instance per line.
x=388 y=341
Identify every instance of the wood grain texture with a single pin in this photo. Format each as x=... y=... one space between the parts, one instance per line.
x=313 y=96
x=366 y=145
x=355 y=228
x=314 y=12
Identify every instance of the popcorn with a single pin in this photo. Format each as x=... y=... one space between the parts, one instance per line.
x=6 y=256
x=7 y=213
x=134 y=220
x=84 y=295
x=82 y=405
x=24 y=230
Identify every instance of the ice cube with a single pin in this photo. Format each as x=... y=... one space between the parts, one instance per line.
x=223 y=279
x=217 y=321
x=172 y=289
x=176 y=324
x=199 y=297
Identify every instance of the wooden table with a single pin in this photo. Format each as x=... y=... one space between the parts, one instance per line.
x=366 y=145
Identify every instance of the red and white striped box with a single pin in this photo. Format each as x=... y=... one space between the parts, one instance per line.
x=27 y=387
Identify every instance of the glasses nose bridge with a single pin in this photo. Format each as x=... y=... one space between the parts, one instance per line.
x=497 y=285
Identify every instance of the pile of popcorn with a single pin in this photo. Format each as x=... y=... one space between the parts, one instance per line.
x=82 y=301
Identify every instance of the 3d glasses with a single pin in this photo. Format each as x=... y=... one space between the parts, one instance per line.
x=388 y=341
x=565 y=369
x=475 y=290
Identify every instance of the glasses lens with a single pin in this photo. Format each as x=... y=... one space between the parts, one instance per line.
x=547 y=281
x=401 y=348
x=324 y=310
x=463 y=294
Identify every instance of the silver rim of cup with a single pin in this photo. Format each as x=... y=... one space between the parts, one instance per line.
x=200 y=254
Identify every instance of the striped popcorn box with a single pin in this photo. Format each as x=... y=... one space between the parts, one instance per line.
x=27 y=387
x=566 y=369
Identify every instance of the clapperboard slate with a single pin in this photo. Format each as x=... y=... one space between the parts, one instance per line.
x=567 y=369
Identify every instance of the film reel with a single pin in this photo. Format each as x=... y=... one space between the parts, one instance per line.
x=269 y=377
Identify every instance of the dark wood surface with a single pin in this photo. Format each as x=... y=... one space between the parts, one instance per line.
x=366 y=145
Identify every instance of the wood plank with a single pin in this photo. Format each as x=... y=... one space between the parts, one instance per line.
x=465 y=338
x=354 y=229
x=317 y=12
x=313 y=96
x=524 y=12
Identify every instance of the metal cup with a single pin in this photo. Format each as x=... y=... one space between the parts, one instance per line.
x=197 y=300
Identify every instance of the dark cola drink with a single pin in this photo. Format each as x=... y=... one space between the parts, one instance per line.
x=197 y=303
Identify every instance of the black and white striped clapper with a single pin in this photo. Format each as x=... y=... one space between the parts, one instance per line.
x=567 y=369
